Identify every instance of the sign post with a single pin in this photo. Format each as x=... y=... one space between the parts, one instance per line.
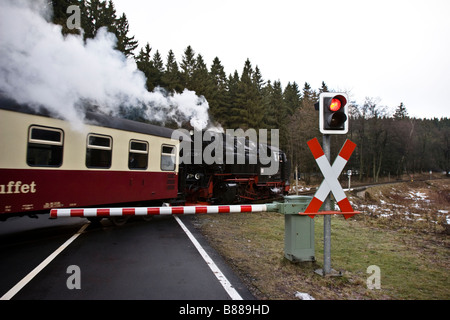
x=349 y=174
x=329 y=184
x=327 y=218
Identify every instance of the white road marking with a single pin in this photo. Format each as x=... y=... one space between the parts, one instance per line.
x=22 y=283
x=214 y=268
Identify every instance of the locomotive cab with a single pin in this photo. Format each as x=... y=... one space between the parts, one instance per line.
x=239 y=175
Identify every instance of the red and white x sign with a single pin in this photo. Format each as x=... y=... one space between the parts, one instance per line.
x=330 y=183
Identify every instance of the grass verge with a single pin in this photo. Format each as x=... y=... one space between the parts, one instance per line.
x=414 y=263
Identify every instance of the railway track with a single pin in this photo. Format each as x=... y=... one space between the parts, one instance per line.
x=362 y=186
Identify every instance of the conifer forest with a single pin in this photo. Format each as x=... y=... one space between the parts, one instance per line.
x=389 y=141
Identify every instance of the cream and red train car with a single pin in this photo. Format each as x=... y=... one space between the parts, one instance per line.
x=47 y=163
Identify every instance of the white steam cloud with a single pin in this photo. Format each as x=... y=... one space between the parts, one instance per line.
x=41 y=67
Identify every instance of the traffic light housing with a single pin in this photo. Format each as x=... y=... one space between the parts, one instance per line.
x=333 y=113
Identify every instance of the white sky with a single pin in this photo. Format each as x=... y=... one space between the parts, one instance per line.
x=393 y=50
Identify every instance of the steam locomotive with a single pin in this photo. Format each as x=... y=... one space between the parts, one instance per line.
x=46 y=163
x=239 y=176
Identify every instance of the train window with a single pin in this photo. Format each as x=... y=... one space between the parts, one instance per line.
x=98 y=151
x=138 y=155
x=45 y=147
x=167 y=158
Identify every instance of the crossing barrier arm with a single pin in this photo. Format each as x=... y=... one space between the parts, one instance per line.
x=282 y=207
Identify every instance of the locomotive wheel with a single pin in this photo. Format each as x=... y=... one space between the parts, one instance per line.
x=224 y=193
x=119 y=221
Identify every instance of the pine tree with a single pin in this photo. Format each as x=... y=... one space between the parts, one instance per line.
x=187 y=67
x=277 y=100
x=308 y=95
x=218 y=93
x=96 y=14
x=145 y=65
x=158 y=68
x=244 y=96
x=171 y=77
x=269 y=106
x=233 y=118
x=292 y=98
x=158 y=62
x=292 y=103
x=153 y=69
x=201 y=82
x=125 y=44
x=400 y=112
x=249 y=99
x=99 y=15
x=258 y=107
x=258 y=80
x=324 y=88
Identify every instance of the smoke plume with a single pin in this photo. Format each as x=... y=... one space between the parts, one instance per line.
x=41 y=67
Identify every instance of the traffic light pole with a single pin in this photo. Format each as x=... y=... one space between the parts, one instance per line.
x=333 y=116
x=327 y=218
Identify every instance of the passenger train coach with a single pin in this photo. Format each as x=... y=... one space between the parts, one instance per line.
x=46 y=163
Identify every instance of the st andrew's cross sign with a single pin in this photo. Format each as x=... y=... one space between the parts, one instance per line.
x=330 y=182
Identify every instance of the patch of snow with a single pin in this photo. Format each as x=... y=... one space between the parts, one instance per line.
x=418 y=196
x=386 y=215
x=303 y=296
x=447 y=217
x=300 y=188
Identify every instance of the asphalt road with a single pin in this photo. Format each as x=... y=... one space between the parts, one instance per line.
x=142 y=260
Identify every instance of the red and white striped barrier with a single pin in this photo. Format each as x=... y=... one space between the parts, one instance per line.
x=330 y=183
x=146 y=211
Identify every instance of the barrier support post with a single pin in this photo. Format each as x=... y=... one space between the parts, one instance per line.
x=298 y=229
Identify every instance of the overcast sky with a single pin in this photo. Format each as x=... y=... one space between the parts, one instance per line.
x=396 y=51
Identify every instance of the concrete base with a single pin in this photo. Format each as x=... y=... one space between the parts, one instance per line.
x=333 y=273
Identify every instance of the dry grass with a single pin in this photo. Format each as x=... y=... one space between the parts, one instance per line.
x=413 y=254
x=421 y=206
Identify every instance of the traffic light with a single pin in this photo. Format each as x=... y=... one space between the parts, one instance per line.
x=333 y=111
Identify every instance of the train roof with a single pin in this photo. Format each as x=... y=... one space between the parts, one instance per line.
x=92 y=118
